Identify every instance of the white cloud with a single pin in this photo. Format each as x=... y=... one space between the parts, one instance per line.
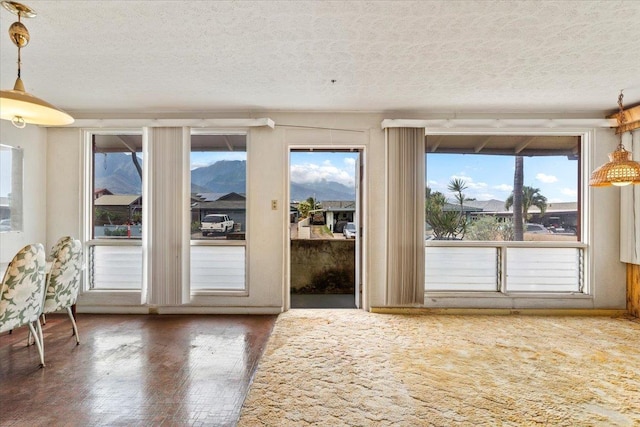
x=484 y=196
x=349 y=161
x=503 y=187
x=196 y=165
x=569 y=192
x=474 y=190
x=547 y=179
x=308 y=173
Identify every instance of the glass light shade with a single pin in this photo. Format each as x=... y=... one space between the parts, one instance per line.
x=619 y=171
x=17 y=103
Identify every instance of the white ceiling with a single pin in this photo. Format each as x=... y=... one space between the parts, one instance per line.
x=452 y=57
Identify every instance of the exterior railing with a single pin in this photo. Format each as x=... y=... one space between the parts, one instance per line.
x=505 y=267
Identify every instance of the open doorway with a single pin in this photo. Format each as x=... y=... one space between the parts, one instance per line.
x=326 y=228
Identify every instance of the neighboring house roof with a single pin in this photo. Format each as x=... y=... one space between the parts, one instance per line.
x=339 y=205
x=497 y=207
x=465 y=208
x=118 y=200
x=102 y=191
x=222 y=201
x=210 y=197
x=222 y=205
x=233 y=196
x=562 y=207
x=492 y=205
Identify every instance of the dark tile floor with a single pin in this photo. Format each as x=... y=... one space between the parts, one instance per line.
x=323 y=301
x=132 y=370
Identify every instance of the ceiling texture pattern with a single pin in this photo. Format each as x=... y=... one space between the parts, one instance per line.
x=428 y=57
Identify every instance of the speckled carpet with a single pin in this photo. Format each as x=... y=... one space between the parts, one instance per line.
x=353 y=368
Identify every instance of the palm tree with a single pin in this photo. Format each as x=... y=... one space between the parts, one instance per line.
x=446 y=224
x=457 y=186
x=530 y=197
x=518 y=178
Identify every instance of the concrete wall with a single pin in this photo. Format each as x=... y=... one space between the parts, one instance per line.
x=315 y=261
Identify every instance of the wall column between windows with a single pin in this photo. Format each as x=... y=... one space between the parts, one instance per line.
x=165 y=229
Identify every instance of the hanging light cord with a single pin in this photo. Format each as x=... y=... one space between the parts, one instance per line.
x=19 y=48
x=621 y=120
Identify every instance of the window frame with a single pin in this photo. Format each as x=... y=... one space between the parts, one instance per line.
x=98 y=297
x=200 y=294
x=587 y=136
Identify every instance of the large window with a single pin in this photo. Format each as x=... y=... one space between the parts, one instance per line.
x=218 y=211
x=503 y=213
x=117 y=187
x=471 y=191
x=115 y=250
x=218 y=187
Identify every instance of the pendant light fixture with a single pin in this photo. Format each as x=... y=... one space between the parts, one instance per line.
x=621 y=169
x=18 y=105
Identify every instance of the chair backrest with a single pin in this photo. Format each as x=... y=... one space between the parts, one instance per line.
x=64 y=278
x=22 y=292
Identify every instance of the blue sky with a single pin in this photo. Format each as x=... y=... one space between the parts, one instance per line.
x=205 y=158
x=487 y=177
x=491 y=177
x=306 y=167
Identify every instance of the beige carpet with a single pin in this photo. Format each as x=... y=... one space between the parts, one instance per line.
x=349 y=367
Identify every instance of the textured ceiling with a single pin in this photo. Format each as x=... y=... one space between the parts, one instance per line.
x=451 y=57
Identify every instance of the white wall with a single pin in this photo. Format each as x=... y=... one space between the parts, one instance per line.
x=64 y=184
x=608 y=273
x=267 y=237
x=33 y=140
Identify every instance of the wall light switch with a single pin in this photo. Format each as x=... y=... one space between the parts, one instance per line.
x=274 y=205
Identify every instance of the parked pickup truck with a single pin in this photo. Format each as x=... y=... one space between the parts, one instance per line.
x=216 y=223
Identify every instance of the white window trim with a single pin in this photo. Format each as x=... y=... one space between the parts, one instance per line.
x=92 y=300
x=587 y=136
x=201 y=296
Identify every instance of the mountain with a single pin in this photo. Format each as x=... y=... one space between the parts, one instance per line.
x=322 y=190
x=223 y=176
x=116 y=172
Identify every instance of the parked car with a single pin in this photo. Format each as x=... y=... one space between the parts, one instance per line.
x=536 y=229
x=216 y=223
x=5 y=224
x=349 y=231
x=567 y=231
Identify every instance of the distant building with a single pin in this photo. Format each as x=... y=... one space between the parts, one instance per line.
x=560 y=214
x=117 y=208
x=335 y=213
x=232 y=204
x=101 y=192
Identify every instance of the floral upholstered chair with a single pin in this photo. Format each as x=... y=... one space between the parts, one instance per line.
x=63 y=283
x=22 y=293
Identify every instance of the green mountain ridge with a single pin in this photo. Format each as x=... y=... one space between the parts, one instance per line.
x=117 y=173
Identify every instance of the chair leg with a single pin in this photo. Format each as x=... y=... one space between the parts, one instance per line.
x=39 y=329
x=44 y=319
x=75 y=327
x=39 y=344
